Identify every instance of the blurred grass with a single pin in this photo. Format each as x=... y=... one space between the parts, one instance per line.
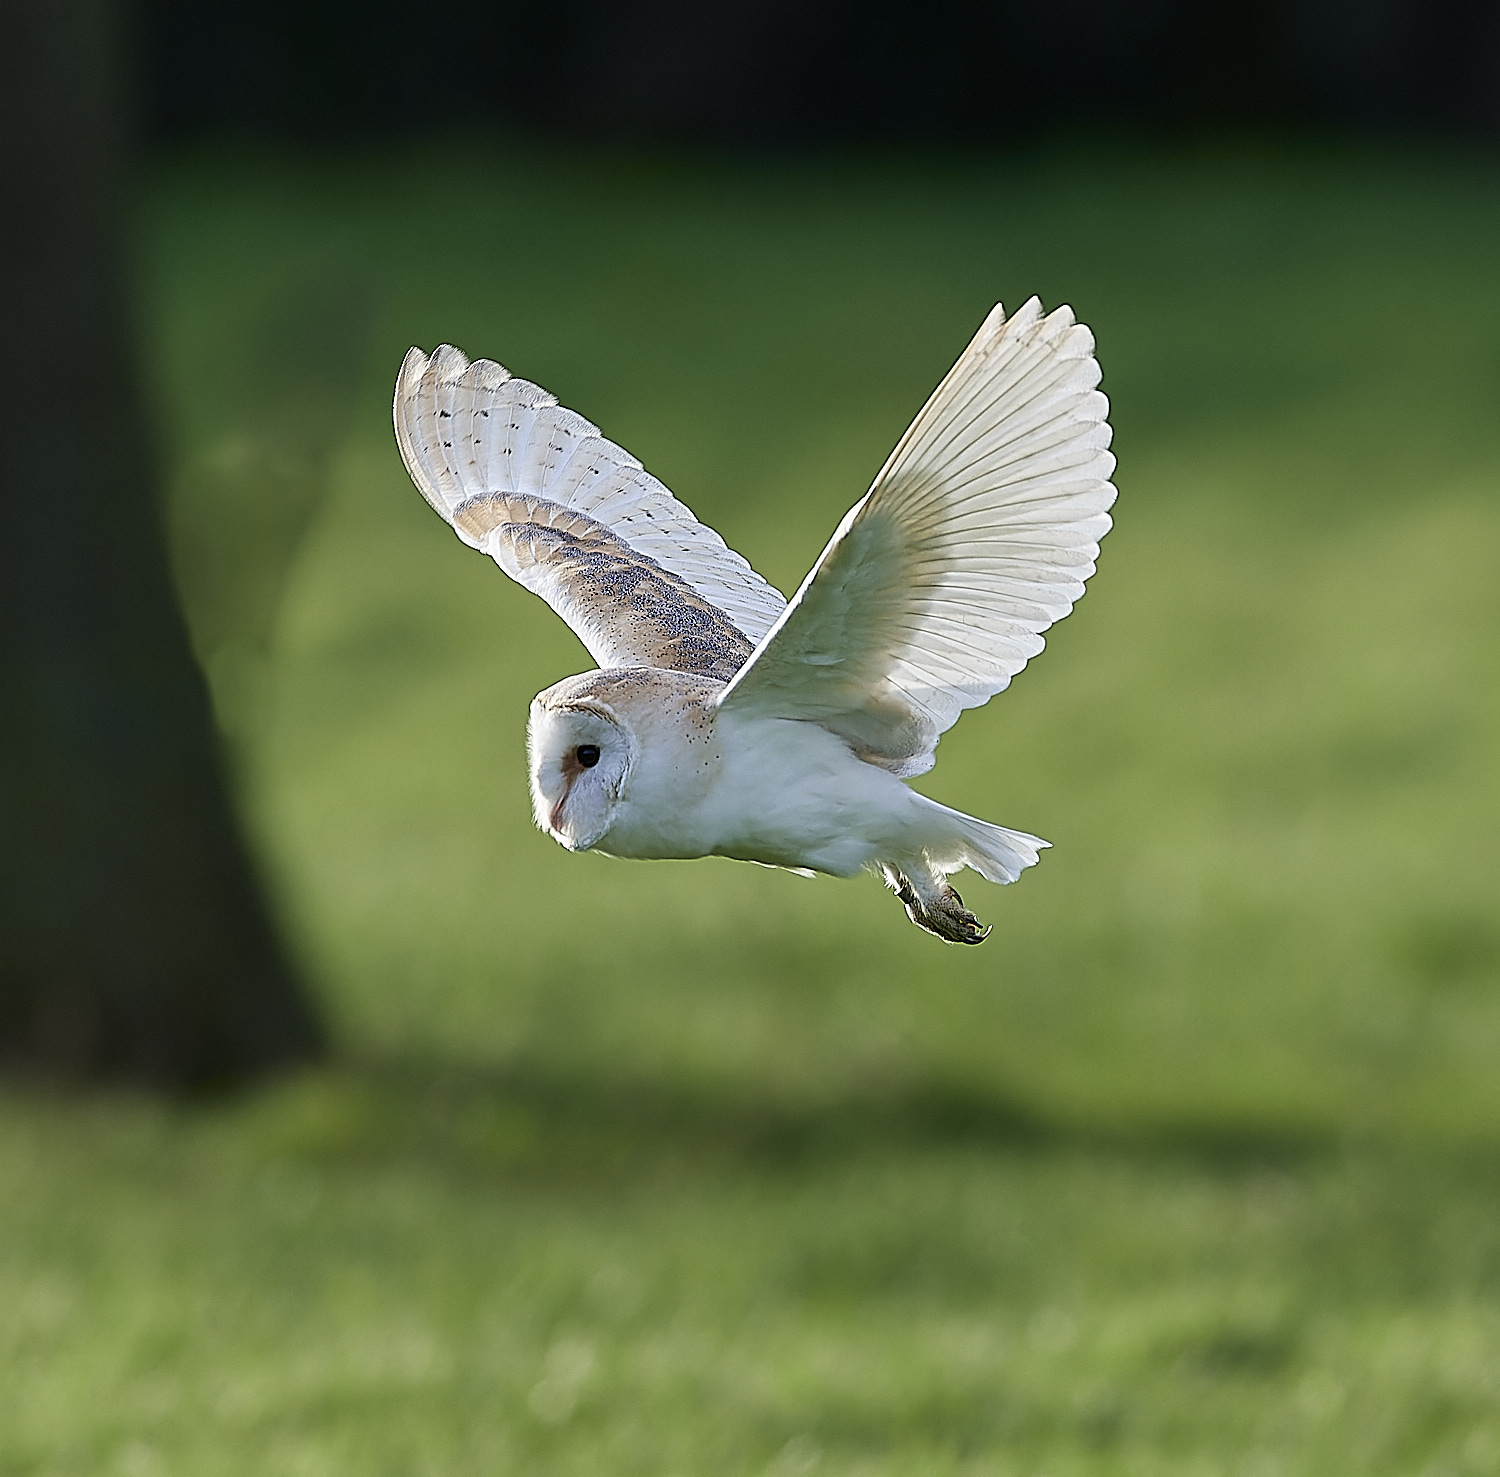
x=701 y=1168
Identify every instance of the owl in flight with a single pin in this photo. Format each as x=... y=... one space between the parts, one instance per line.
x=725 y=720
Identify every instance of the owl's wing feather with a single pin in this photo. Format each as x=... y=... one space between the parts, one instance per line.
x=575 y=518
x=976 y=536
x=625 y=608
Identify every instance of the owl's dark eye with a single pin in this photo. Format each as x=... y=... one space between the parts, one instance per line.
x=588 y=755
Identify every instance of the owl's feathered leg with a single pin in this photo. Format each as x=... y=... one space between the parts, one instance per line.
x=939 y=841
x=932 y=904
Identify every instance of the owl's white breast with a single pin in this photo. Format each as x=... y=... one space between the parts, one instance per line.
x=772 y=790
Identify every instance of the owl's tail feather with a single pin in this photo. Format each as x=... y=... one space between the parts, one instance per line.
x=951 y=840
x=996 y=853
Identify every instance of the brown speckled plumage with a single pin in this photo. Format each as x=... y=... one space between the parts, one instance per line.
x=571 y=560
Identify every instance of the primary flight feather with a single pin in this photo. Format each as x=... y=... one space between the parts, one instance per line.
x=725 y=720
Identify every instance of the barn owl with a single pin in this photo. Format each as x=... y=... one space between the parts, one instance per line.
x=725 y=720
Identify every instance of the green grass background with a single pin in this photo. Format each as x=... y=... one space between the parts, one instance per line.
x=682 y=1168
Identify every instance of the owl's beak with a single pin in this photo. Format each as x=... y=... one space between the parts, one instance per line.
x=571 y=769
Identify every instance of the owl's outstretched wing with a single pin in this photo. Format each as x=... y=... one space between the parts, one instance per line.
x=576 y=519
x=977 y=535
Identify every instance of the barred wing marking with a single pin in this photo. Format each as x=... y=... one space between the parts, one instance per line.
x=469 y=431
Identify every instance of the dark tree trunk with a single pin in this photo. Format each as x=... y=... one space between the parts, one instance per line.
x=133 y=941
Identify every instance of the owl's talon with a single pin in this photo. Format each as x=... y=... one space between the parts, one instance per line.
x=942 y=915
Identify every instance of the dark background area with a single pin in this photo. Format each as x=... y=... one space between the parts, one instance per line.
x=769 y=72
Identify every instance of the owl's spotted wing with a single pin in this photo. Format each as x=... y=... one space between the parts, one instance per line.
x=576 y=519
x=977 y=535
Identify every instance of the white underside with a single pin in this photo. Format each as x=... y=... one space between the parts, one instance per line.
x=789 y=793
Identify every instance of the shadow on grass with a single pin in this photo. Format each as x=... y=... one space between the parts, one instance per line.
x=529 y=1118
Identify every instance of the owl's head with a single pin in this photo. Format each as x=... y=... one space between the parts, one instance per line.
x=581 y=755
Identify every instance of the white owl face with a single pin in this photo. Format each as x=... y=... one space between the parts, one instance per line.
x=580 y=759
